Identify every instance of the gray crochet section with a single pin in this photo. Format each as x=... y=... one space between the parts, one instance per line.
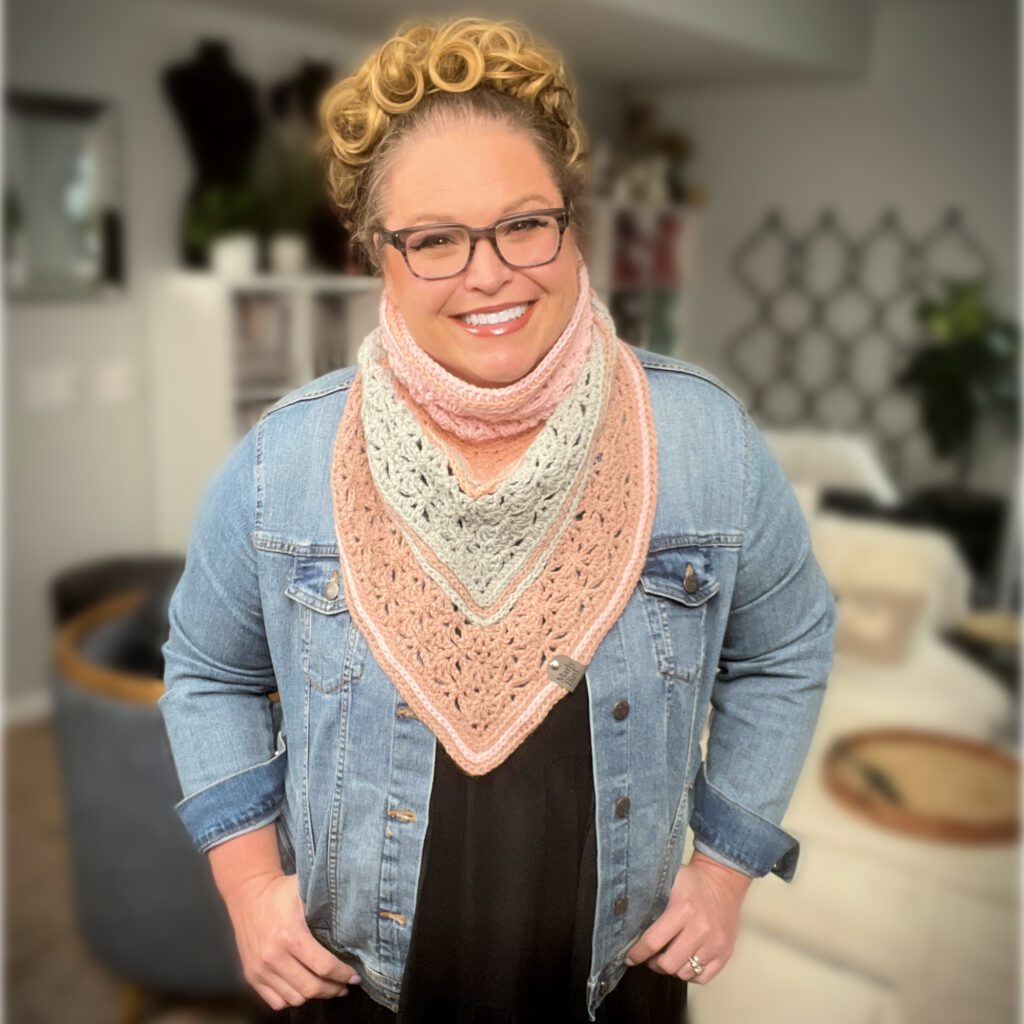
x=483 y=541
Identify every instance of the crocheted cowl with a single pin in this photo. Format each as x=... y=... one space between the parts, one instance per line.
x=490 y=537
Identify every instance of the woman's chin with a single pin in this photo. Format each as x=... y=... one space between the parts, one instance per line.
x=498 y=371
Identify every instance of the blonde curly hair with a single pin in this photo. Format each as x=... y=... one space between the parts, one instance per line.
x=463 y=67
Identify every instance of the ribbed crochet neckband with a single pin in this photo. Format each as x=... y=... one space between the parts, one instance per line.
x=475 y=413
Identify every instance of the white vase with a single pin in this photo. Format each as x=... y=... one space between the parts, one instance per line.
x=288 y=254
x=234 y=255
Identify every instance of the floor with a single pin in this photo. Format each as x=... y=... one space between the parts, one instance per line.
x=50 y=976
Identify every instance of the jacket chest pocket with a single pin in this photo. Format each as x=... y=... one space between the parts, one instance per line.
x=677 y=585
x=332 y=651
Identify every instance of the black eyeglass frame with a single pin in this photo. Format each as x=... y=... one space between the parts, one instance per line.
x=399 y=238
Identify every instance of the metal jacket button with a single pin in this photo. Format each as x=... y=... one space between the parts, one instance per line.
x=622 y=807
x=620 y=710
x=690 y=582
x=621 y=904
x=331 y=590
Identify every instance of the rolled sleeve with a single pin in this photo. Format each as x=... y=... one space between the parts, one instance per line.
x=218 y=673
x=240 y=803
x=776 y=657
x=739 y=838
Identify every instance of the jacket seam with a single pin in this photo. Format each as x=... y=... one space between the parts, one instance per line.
x=687 y=371
x=306 y=396
x=746 y=472
x=710 y=538
x=257 y=472
x=268 y=541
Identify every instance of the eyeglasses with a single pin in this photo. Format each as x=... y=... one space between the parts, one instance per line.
x=435 y=251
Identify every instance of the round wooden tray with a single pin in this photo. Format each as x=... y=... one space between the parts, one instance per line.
x=927 y=784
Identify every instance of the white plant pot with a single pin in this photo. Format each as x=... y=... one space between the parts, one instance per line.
x=288 y=254
x=234 y=255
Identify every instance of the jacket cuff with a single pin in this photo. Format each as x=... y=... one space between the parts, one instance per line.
x=709 y=851
x=240 y=803
x=749 y=841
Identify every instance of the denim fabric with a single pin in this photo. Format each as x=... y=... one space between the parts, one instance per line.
x=348 y=774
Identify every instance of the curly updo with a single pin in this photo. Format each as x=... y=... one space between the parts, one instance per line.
x=429 y=71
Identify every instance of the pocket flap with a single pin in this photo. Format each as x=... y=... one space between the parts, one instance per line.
x=666 y=572
x=316 y=583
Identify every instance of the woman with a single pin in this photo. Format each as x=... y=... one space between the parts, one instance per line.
x=497 y=573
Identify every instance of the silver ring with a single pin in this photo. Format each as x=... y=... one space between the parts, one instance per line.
x=696 y=964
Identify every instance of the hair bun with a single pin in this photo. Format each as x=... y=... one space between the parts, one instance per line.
x=424 y=57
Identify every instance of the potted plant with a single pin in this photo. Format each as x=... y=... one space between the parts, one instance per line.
x=223 y=220
x=289 y=190
x=965 y=370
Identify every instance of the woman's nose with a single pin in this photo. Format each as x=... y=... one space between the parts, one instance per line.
x=485 y=271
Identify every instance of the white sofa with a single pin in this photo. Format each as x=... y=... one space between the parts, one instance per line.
x=877 y=927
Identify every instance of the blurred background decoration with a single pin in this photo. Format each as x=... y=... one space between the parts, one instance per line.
x=866 y=333
x=966 y=370
x=63 y=233
x=816 y=204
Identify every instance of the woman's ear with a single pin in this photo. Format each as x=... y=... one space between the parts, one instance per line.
x=388 y=287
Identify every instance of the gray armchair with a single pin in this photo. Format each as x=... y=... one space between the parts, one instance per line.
x=145 y=900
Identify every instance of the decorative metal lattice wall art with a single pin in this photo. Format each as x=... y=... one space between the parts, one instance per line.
x=834 y=322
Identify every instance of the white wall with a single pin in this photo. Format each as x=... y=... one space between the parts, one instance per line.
x=933 y=123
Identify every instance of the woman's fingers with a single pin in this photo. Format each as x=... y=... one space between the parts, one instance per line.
x=701 y=918
x=661 y=932
x=320 y=960
x=313 y=955
x=269 y=996
x=308 y=970
x=296 y=983
x=675 y=957
x=281 y=958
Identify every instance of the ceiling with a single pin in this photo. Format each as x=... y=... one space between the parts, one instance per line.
x=641 y=42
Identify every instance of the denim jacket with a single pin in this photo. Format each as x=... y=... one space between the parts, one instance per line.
x=344 y=767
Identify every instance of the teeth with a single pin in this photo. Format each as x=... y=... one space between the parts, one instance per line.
x=479 y=319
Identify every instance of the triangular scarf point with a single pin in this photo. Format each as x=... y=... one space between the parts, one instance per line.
x=490 y=537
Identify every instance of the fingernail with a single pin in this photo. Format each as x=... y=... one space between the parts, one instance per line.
x=632 y=963
x=354 y=980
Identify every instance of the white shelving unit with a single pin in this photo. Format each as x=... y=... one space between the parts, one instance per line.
x=221 y=351
x=640 y=256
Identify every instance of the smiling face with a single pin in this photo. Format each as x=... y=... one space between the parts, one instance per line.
x=474 y=174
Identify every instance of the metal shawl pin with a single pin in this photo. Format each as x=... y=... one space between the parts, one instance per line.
x=565 y=671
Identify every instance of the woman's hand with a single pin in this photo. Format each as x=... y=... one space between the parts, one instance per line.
x=281 y=958
x=702 y=917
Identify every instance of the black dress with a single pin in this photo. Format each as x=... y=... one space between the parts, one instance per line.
x=503 y=924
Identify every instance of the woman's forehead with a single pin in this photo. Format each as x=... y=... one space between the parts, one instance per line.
x=472 y=175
